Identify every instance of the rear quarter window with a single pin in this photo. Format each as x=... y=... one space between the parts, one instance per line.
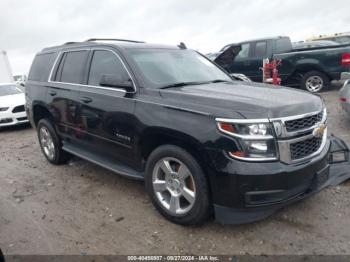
x=244 y=53
x=41 y=67
x=260 y=49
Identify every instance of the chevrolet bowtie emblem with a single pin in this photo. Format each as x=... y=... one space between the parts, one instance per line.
x=319 y=131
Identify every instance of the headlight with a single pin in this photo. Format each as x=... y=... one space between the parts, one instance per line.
x=255 y=140
x=2 y=109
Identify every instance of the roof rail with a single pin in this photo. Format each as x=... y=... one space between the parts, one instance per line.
x=113 y=39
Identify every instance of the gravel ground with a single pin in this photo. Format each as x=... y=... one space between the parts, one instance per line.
x=81 y=208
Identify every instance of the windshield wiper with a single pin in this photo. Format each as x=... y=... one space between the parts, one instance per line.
x=219 y=81
x=180 y=84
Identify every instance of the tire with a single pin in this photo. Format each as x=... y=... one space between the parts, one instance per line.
x=187 y=213
x=315 y=81
x=2 y=259
x=50 y=143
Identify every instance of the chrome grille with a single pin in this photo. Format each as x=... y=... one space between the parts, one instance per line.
x=303 y=123
x=296 y=141
x=305 y=148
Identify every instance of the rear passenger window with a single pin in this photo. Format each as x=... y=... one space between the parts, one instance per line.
x=41 y=67
x=260 y=49
x=283 y=45
x=105 y=63
x=71 y=67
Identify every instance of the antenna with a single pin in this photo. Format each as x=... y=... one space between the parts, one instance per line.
x=182 y=45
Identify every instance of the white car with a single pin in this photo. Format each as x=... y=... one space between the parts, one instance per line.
x=12 y=100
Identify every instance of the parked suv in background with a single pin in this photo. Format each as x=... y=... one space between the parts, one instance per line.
x=202 y=142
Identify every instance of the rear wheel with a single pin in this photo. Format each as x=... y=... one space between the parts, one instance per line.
x=315 y=81
x=50 y=143
x=177 y=186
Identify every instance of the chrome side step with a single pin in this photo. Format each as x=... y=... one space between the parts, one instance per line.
x=104 y=162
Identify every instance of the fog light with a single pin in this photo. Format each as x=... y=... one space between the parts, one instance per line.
x=258 y=146
x=5 y=120
x=337 y=157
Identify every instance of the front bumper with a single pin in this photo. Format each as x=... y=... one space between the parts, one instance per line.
x=257 y=194
x=10 y=119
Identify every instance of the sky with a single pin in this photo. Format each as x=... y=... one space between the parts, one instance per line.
x=28 y=26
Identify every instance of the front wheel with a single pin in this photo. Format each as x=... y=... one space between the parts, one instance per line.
x=177 y=186
x=315 y=81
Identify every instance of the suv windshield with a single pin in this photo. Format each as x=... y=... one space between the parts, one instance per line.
x=164 y=67
x=7 y=90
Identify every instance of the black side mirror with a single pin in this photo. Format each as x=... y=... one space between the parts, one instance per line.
x=117 y=82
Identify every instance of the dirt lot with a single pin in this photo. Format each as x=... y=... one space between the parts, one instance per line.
x=81 y=208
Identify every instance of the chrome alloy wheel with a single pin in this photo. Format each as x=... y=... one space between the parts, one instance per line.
x=174 y=186
x=314 y=84
x=46 y=143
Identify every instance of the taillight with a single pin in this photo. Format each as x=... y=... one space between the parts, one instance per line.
x=343 y=99
x=345 y=60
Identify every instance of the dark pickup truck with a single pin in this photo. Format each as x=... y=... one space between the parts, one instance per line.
x=310 y=68
x=203 y=143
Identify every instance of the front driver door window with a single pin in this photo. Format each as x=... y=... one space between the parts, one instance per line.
x=241 y=63
x=259 y=53
x=105 y=63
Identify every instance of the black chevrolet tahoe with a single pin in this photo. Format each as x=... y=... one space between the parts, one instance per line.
x=204 y=144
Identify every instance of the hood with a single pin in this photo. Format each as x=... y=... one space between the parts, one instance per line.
x=249 y=100
x=12 y=100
